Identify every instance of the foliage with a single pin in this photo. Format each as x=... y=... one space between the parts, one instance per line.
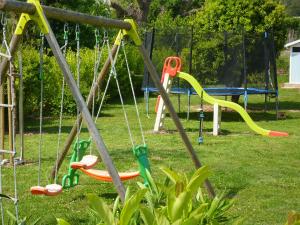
x=292 y=7
x=283 y=64
x=234 y=15
x=218 y=38
x=175 y=8
x=257 y=15
x=178 y=201
x=24 y=221
x=53 y=78
x=92 y=7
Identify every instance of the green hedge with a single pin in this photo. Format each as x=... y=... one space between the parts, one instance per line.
x=53 y=78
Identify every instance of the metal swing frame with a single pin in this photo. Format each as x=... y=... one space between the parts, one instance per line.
x=33 y=10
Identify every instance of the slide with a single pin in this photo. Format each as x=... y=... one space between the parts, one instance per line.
x=209 y=99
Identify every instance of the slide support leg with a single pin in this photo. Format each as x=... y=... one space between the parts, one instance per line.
x=217 y=119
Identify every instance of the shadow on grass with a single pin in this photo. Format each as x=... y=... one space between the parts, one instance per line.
x=109 y=195
x=283 y=105
x=233 y=192
x=233 y=116
x=51 y=125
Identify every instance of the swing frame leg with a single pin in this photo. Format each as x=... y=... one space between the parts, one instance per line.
x=170 y=107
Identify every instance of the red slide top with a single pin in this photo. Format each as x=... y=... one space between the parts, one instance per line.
x=172 y=65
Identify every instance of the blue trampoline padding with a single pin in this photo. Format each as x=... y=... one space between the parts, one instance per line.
x=216 y=91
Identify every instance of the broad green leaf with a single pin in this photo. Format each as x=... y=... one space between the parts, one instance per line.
x=174 y=176
x=152 y=184
x=179 y=188
x=161 y=219
x=179 y=206
x=131 y=206
x=147 y=216
x=214 y=205
x=198 y=179
x=62 y=222
x=178 y=222
x=127 y=194
x=151 y=198
x=198 y=212
x=98 y=205
x=191 y=221
x=170 y=203
x=116 y=205
x=200 y=196
x=11 y=216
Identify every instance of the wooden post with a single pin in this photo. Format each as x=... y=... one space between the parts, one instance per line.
x=168 y=104
x=64 y=15
x=89 y=102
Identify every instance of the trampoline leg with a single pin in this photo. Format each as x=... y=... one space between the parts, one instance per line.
x=189 y=106
x=146 y=96
x=245 y=101
x=266 y=100
x=217 y=119
x=277 y=107
x=178 y=99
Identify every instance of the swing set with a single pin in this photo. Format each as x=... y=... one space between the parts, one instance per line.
x=34 y=11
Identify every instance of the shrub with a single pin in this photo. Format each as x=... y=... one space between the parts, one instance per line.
x=53 y=79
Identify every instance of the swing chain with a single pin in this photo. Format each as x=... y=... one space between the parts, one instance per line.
x=66 y=32
x=4 y=23
x=41 y=73
x=97 y=36
x=105 y=35
x=133 y=92
x=77 y=32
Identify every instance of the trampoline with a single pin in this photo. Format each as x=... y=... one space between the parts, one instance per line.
x=224 y=63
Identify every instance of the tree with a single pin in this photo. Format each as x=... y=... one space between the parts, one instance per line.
x=220 y=56
x=254 y=16
x=292 y=7
x=137 y=10
x=144 y=11
x=175 y=8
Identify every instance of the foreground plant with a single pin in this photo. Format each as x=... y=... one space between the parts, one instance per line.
x=12 y=220
x=177 y=201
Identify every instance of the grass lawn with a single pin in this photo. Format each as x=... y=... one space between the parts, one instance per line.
x=262 y=173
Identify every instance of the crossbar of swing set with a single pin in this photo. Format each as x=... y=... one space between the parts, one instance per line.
x=64 y=15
